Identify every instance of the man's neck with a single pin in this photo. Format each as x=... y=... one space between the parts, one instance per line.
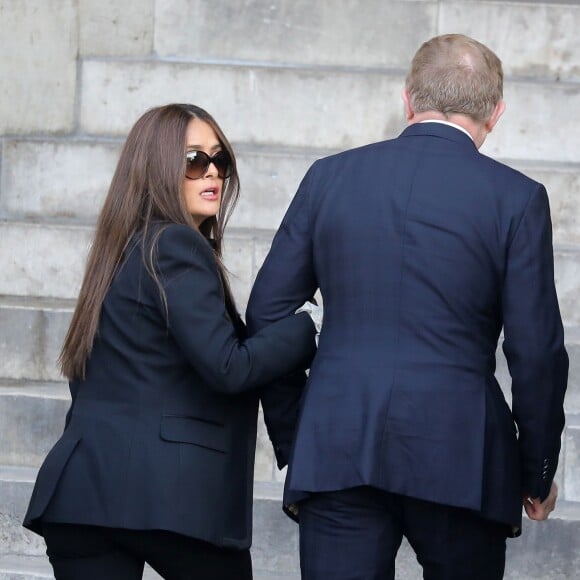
x=475 y=130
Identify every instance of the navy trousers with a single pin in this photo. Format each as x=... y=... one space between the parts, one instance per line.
x=97 y=553
x=354 y=534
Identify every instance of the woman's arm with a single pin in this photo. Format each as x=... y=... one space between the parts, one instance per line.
x=199 y=323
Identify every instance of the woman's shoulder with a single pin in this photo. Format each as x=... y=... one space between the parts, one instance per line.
x=178 y=249
x=168 y=237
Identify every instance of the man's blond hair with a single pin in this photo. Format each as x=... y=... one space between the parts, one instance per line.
x=453 y=73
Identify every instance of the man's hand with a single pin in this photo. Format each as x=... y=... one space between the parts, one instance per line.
x=537 y=510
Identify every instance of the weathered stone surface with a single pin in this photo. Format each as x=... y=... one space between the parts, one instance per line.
x=535 y=39
x=383 y=34
x=264 y=105
x=567 y=276
x=56 y=179
x=31 y=336
x=38 y=66
x=31 y=421
x=572 y=459
x=269 y=181
x=334 y=110
x=238 y=248
x=42 y=259
x=15 y=489
x=264 y=464
x=110 y=28
x=563 y=187
x=537 y=124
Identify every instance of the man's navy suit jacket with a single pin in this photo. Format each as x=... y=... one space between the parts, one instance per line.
x=423 y=250
x=161 y=434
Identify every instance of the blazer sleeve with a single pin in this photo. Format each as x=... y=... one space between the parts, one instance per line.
x=534 y=346
x=198 y=321
x=285 y=281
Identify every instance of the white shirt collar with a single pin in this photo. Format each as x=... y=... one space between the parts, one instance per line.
x=449 y=124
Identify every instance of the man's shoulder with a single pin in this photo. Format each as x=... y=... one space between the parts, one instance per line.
x=353 y=154
x=507 y=169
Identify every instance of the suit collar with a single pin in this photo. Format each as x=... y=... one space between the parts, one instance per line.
x=438 y=130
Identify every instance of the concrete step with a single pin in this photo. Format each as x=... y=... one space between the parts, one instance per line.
x=76 y=175
x=17 y=567
x=31 y=334
x=176 y=29
x=31 y=420
x=16 y=485
x=32 y=267
x=313 y=101
x=351 y=37
x=38 y=568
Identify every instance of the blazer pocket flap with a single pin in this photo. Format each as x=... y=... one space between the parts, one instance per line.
x=195 y=431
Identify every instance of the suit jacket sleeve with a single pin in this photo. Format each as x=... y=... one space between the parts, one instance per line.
x=285 y=281
x=198 y=321
x=534 y=346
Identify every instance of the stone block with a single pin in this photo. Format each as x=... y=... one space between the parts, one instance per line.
x=269 y=181
x=533 y=39
x=572 y=400
x=563 y=186
x=18 y=567
x=38 y=66
x=275 y=537
x=571 y=453
x=31 y=420
x=567 y=276
x=238 y=256
x=264 y=463
x=547 y=550
x=15 y=567
x=75 y=177
x=252 y=104
x=537 y=124
x=383 y=34
x=321 y=109
x=71 y=178
x=16 y=485
x=110 y=28
x=42 y=259
x=31 y=336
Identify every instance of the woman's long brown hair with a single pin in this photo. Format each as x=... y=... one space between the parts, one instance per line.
x=146 y=186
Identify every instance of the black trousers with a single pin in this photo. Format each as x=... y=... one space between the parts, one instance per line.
x=96 y=553
x=354 y=534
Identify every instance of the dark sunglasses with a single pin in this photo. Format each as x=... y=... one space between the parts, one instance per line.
x=197 y=163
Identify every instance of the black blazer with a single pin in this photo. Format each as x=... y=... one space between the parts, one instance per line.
x=423 y=250
x=162 y=432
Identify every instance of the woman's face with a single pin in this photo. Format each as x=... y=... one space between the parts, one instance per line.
x=202 y=194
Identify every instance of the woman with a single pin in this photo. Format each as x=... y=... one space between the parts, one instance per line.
x=156 y=461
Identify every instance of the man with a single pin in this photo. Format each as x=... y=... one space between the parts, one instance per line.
x=423 y=250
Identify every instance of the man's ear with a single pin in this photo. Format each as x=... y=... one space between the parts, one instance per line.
x=496 y=114
x=409 y=113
